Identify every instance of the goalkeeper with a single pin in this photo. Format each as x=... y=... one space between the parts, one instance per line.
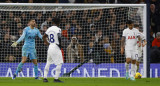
x=28 y=49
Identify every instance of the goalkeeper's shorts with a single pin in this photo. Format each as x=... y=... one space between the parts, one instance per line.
x=28 y=52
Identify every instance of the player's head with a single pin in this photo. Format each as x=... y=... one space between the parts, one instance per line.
x=74 y=40
x=130 y=24
x=158 y=35
x=32 y=22
x=56 y=21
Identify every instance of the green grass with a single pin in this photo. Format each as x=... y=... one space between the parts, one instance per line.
x=80 y=82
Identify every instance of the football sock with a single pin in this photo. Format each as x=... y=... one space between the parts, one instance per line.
x=20 y=65
x=127 y=67
x=133 y=70
x=46 y=70
x=58 y=71
x=36 y=70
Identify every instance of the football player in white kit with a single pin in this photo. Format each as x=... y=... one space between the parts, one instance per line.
x=54 y=54
x=140 y=49
x=129 y=41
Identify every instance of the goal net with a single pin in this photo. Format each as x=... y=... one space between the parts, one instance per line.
x=89 y=32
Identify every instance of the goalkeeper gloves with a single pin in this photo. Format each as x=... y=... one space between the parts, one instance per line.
x=14 y=44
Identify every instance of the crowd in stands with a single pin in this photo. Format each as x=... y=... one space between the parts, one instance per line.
x=88 y=34
x=96 y=32
x=155 y=31
x=73 y=1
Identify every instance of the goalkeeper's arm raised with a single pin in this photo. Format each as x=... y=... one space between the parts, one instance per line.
x=20 y=39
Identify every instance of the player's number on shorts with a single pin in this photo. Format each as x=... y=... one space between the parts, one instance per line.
x=51 y=38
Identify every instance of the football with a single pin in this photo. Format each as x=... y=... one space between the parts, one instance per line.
x=138 y=75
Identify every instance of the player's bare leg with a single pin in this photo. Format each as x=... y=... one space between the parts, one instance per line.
x=133 y=69
x=35 y=68
x=19 y=68
x=46 y=72
x=58 y=71
x=128 y=60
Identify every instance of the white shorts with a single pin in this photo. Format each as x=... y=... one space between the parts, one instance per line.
x=139 y=55
x=133 y=54
x=54 y=55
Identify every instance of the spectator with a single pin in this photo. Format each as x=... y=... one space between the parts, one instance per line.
x=53 y=14
x=98 y=35
x=155 y=50
x=32 y=14
x=89 y=51
x=122 y=26
x=92 y=1
x=127 y=1
x=45 y=1
x=108 y=50
x=8 y=1
x=156 y=41
x=65 y=42
x=141 y=1
x=80 y=37
x=65 y=32
x=10 y=58
x=99 y=55
x=135 y=16
x=39 y=19
x=115 y=43
x=151 y=37
x=47 y=23
x=6 y=49
x=75 y=52
x=154 y=14
x=23 y=19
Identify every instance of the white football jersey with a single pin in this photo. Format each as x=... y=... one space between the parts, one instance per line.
x=52 y=33
x=130 y=38
x=142 y=36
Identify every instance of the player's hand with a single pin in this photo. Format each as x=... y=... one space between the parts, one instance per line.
x=46 y=43
x=122 y=51
x=144 y=44
x=14 y=44
x=139 y=44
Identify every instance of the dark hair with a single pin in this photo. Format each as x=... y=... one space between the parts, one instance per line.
x=129 y=22
x=56 y=20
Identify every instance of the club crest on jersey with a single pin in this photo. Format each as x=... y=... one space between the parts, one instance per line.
x=131 y=37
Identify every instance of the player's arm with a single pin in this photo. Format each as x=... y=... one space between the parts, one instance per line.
x=39 y=34
x=20 y=39
x=143 y=40
x=45 y=37
x=59 y=39
x=144 y=43
x=122 y=44
x=139 y=38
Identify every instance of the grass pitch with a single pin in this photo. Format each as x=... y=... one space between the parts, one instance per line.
x=80 y=82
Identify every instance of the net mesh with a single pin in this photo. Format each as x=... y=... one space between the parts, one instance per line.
x=96 y=29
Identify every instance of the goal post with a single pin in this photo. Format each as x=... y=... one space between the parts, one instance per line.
x=89 y=31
